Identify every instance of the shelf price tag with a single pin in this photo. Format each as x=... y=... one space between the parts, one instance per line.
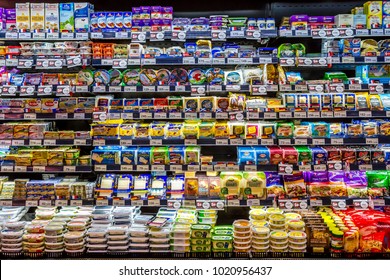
x=372 y=141
x=175 y=115
x=285 y=115
x=379 y=202
x=206 y=167
x=284 y=142
x=49 y=142
x=190 y=116
x=158 y=167
x=7 y=168
x=76 y=202
x=189 y=142
x=143 y=167
x=146 y=115
x=156 y=142
x=335 y=165
x=253 y=202
x=70 y=168
x=365 y=167
x=313 y=114
x=299 y=141
x=315 y=202
x=154 y=202
x=119 y=63
x=193 y=167
x=304 y=168
x=318 y=141
x=126 y=142
x=138 y=37
x=252 y=142
x=121 y=35
x=250 y=168
x=365 y=114
x=17 y=143
x=126 y=168
x=189 y=60
x=179 y=36
x=31 y=203
x=45 y=203
x=118 y=202
x=205 y=115
x=80 y=142
x=361 y=203
x=11 y=35
x=175 y=204
x=236 y=142
x=223 y=142
x=326 y=114
x=149 y=61
x=20 y=168
x=218 y=35
x=219 y=61
x=101 y=202
x=176 y=168
x=233 y=167
x=137 y=203
x=266 y=142
x=340 y=114
x=6 y=203
x=320 y=167
x=134 y=61
x=233 y=203
x=100 y=167
x=339 y=204
x=300 y=115
x=39 y=168
x=61 y=203
x=163 y=88
x=269 y=115
x=285 y=169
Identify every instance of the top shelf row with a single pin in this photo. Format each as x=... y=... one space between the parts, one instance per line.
x=80 y=21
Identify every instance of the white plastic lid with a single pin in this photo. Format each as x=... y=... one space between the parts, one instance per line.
x=279 y=248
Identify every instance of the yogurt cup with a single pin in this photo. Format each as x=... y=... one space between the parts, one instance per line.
x=241 y=225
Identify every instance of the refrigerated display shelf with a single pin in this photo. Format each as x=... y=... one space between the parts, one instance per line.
x=45 y=116
x=381 y=139
x=331 y=33
x=46 y=142
x=45 y=169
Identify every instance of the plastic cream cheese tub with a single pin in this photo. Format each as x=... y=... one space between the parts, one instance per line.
x=241 y=226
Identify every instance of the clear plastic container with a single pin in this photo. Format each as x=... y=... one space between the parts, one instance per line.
x=279 y=244
x=97 y=246
x=139 y=232
x=15 y=226
x=12 y=245
x=279 y=249
x=75 y=246
x=117 y=230
x=159 y=246
x=118 y=243
x=34 y=238
x=34 y=250
x=260 y=249
x=162 y=233
x=297 y=237
x=180 y=248
x=117 y=237
x=278 y=235
x=139 y=239
x=54 y=246
x=260 y=232
x=76 y=226
x=96 y=240
x=54 y=239
x=258 y=214
x=74 y=236
x=35 y=228
x=12 y=250
x=97 y=232
x=53 y=230
x=159 y=240
x=242 y=239
x=242 y=234
x=241 y=225
x=296 y=225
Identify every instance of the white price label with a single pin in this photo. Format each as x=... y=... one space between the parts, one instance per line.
x=127 y=116
x=17 y=142
x=300 y=115
x=326 y=114
x=11 y=35
x=320 y=167
x=252 y=142
x=301 y=33
x=190 y=142
x=130 y=89
x=34 y=142
x=175 y=115
x=337 y=141
x=253 y=115
x=143 y=167
x=300 y=141
x=115 y=89
x=6 y=203
x=267 y=142
x=315 y=202
x=193 y=167
x=45 y=203
x=268 y=115
x=7 y=168
x=204 y=60
x=61 y=116
x=31 y=203
x=218 y=35
x=146 y=115
x=205 y=116
x=219 y=61
x=233 y=61
x=126 y=142
x=137 y=203
x=163 y=88
x=365 y=167
x=25 y=35
x=61 y=203
x=67 y=35
x=233 y=203
x=238 y=142
x=99 y=89
x=237 y=34
x=339 y=204
x=154 y=202
x=101 y=202
x=39 y=168
x=365 y=114
x=20 y=168
x=99 y=142
x=340 y=114
x=134 y=61
x=348 y=60
x=206 y=167
x=82 y=89
x=372 y=141
x=224 y=116
x=224 y=142
x=284 y=142
x=149 y=61
x=234 y=167
x=253 y=202
x=76 y=203
x=313 y=114
x=318 y=141
x=379 y=202
x=180 y=89
x=100 y=167
x=126 y=168
x=121 y=35
x=70 y=169
x=6 y=142
x=369 y=59
x=156 y=142
x=158 y=167
x=188 y=60
x=285 y=115
x=30 y=116
x=149 y=89
x=285 y=169
x=304 y=168
x=118 y=202
x=190 y=116
x=80 y=142
x=49 y=142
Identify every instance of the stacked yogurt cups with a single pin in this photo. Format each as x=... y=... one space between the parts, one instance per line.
x=11 y=238
x=242 y=236
x=118 y=239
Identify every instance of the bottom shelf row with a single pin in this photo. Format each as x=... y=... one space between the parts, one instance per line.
x=111 y=230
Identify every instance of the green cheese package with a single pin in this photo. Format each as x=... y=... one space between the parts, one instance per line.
x=378 y=183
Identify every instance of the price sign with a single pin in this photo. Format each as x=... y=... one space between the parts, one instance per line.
x=154 y=202
x=372 y=141
x=190 y=142
x=266 y=142
x=49 y=142
x=190 y=116
x=326 y=114
x=285 y=115
x=320 y=167
x=236 y=142
x=253 y=202
x=158 y=167
x=25 y=63
x=340 y=114
x=100 y=167
x=218 y=35
x=118 y=202
x=313 y=114
x=76 y=203
x=61 y=203
x=205 y=116
x=175 y=204
x=7 y=168
x=31 y=203
x=163 y=88
x=318 y=141
x=286 y=204
x=126 y=168
x=179 y=36
x=305 y=168
x=176 y=168
x=45 y=203
x=6 y=203
x=300 y=141
x=73 y=61
x=285 y=169
x=137 y=203
x=365 y=114
x=361 y=204
x=188 y=60
x=156 y=142
x=20 y=168
x=339 y=204
x=250 y=168
x=143 y=167
x=285 y=142
x=206 y=167
x=102 y=202
x=70 y=169
x=119 y=63
x=300 y=115
x=223 y=142
x=193 y=167
x=315 y=202
x=233 y=203
x=138 y=37
x=175 y=115
x=251 y=142
x=39 y=168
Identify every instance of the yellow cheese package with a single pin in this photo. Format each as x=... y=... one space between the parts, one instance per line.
x=174 y=131
x=191 y=129
x=191 y=187
x=221 y=130
x=106 y=129
x=350 y=101
x=207 y=130
x=231 y=184
x=126 y=130
x=362 y=101
x=157 y=130
x=141 y=130
x=267 y=130
x=254 y=185
x=237 y=130
x=252 y=130
x=374 y=102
